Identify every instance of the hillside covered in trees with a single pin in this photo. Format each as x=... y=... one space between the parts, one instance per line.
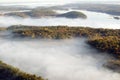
x=106 y=40
x=73 y=14
x=35 y=13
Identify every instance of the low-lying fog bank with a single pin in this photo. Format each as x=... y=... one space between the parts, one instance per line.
x=66 y=59
x=94 y=19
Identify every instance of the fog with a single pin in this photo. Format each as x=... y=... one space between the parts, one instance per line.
x=94 y=19
x=66 y=59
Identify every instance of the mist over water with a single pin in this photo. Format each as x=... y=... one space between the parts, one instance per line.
x=66 y=59
x=94 y=19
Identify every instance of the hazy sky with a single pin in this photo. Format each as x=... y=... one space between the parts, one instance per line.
x=62 y=1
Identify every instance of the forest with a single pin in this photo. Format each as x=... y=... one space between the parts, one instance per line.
x=107 y=40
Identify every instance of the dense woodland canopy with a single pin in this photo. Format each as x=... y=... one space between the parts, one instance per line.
x=107 y=40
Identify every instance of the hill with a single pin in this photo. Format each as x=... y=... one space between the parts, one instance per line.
x=73 y=14
x=35 y=13
x=8 y=72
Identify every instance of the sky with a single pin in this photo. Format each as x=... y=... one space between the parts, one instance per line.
x=53 y=2
x=62 y=1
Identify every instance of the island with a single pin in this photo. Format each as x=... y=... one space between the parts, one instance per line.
x=73 y=14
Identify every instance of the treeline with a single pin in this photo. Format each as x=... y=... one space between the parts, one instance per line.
x=60 y=32
x=103 y=39
x=110 y=44
x=107 y=40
